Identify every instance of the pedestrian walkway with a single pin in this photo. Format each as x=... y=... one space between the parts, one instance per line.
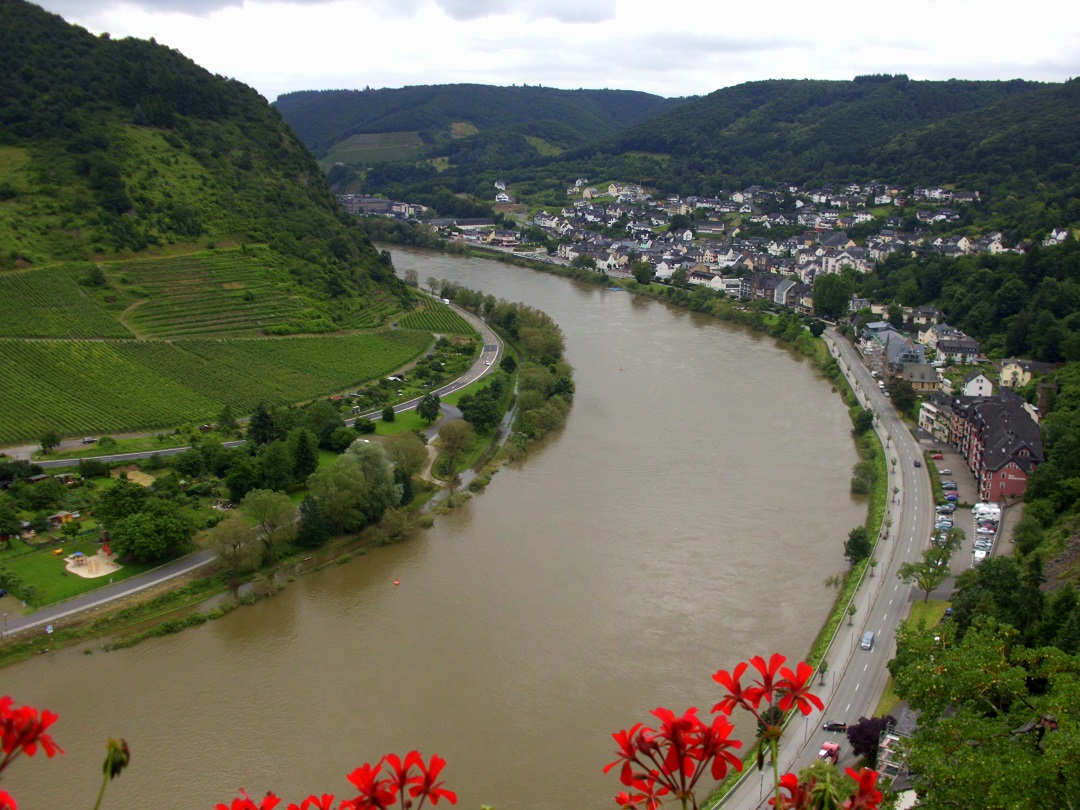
x=88 y=601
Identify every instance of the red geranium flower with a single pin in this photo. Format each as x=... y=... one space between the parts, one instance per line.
x=324 y=802
x=866 y=796
x=425 y=785
x=628 y=751
x=375 y=793
x=681 y=736
x=399 y=779
x=715 y=744
x=768 y=683
x=22 y=730
x=245 y=802
x=736 y=694
x=795 y=687
x=798 y=795
x=7 y=801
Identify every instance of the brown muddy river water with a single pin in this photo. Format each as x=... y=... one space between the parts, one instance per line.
x=685 y=519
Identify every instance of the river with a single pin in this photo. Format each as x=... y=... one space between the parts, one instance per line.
x=685 y=519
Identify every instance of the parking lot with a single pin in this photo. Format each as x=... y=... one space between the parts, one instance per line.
x=967 y=493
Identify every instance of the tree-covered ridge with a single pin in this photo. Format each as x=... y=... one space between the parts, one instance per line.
x=1013 y=142
x=120 y=146
x=323 y=118
x=806 y=131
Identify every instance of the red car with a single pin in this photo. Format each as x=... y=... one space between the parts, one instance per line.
x=937 y=457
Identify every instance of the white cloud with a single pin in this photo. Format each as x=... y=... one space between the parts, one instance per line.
x=685 y=47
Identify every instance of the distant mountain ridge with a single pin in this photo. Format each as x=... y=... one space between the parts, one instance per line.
x=441 y=113
x=1015 y=142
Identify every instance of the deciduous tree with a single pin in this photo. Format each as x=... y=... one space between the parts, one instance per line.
x=858 y=546
x=455 y=438
x=234 y=542
x=428 y=407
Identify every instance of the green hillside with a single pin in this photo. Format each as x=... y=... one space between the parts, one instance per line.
x=446 y=119
x=121 y=147
x=161 y=231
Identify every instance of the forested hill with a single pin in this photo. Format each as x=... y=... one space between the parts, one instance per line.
x=975 y=134
x=438 y=114
x=114 y=148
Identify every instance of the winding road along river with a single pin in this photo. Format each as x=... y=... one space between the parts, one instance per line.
x=685 y=519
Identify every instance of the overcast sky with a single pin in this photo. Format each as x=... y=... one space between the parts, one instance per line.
x=672 y=48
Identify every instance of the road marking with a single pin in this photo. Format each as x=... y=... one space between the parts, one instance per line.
x=848 y=709
x=886 y=616
x=856 y=687
x=890 y=601
x=866 y=667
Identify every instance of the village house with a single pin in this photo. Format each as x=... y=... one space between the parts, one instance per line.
x=976 y=385
x=959 y=349
x=922 y=376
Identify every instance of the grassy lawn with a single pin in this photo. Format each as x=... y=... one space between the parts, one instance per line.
x=48 y=572
x=404 y=422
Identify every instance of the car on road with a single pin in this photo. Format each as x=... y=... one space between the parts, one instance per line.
x=487 y=362
x=937 y=457
x=830 y=752
x=834 y=725
x=918 y=463
x=867 y=642
x=89 y=440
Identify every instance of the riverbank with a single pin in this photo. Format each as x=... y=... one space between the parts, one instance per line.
x=466 y=470
x=794 y=333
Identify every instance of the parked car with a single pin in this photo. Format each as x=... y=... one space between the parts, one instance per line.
x=979 y=555
x=984 y=543
x=943 y=524
x=985 y=530
x=948 y=485
x=952 y=496
x=945 y=472
x=937 y=457
x=834 y=725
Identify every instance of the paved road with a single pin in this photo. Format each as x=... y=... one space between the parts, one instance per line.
x=856 y=678
x=88 y=601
